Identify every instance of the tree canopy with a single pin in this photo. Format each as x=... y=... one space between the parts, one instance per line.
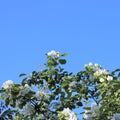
x=53 y=93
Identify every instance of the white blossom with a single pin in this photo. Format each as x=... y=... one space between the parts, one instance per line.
x=41 y=94
x=102 y=80
x=28 y=109
x=7 y=84
x=94 y=108
x=54 y=54
x=96 y=65
x=100 y=72
x=69 y=115
x=27 y=86
x=105 y=71
x=90 y=64
x=72 y=84
x=24 y=89
x=109 y=78
x=89 y=114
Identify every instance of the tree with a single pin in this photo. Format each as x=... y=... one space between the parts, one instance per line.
x=52 y=93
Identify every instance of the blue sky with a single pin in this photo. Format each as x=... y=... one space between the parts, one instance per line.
x=88 y=30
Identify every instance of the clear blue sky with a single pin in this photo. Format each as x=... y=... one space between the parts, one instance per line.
x=88 y=30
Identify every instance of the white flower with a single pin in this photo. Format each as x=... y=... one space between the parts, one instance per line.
x=90 y=64
x=109 y=78
x=69 y=115
x=27 y=86
x=99 y=97
x=41 y=94
x=7 y=84
x=96 y=65
x=89 y=114
x=28 y=109
x=24 y=89
x=94 y=108
x=54 y=54
x=100 y=72
x=102 y=80
x=72 y=84
x=105 y=71
x=51 y=53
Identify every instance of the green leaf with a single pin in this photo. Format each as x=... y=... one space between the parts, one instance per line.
x=1 y=91
x=87 y=108
x=62 y=61
x=65 y=54
x=118 y=74
x=79 y=104
x=22 y=74
x=24 y=81
x=117 y=70
x=118 y=90
x=64 y=85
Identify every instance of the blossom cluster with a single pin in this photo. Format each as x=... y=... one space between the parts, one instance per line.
x=99 y=72
x=90 y=64
x=109 y=78
x=92 y=84
x=90 y=114
x=68 y=114
x=24 y=89
x=7 y=84
x=41 y=95
x=53 y=54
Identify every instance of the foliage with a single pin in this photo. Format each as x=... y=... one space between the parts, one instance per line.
x=52 y=93
x=5 y=113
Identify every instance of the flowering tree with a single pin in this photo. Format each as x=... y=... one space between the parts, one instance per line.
x=53 y=93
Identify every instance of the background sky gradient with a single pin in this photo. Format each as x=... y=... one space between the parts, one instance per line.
x=88 y=30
